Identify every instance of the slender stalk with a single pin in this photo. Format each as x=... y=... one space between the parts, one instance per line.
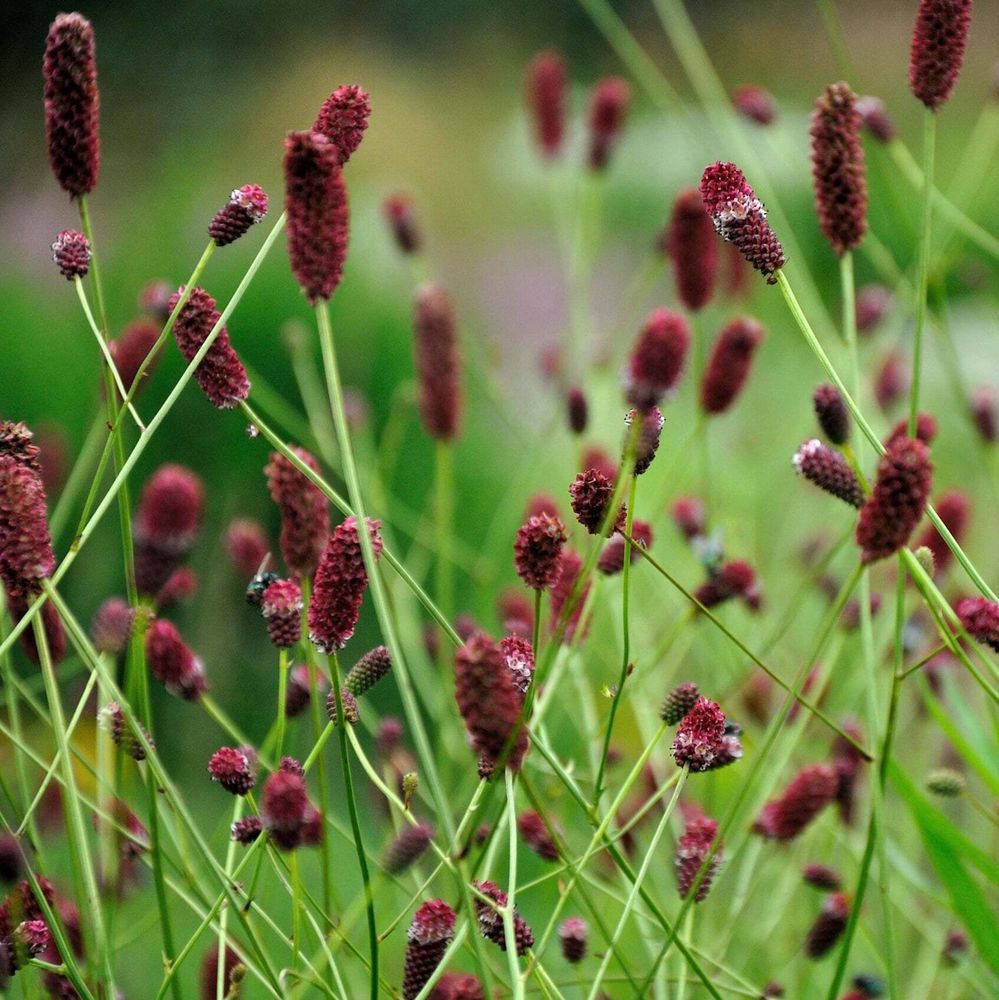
x=296 y=916
x=444 y=515
x=230 y=857
x=516 y=982
x=282 y=715
x=923 y=271
x=95 y=265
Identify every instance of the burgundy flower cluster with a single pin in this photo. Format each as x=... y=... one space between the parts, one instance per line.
x=286 y=814
x=305 y=519
x=704 y=741
x=692 y=850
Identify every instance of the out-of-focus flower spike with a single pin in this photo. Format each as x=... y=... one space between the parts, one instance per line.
x=545 y=85
x=437 y=361
x=609 y=102
x=398 y=212
x=343 y=119
x=755 y=103
x=938 y=41
x=729 y=365
x=693 y=246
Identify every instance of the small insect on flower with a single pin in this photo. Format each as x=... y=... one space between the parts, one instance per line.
x=71 y=253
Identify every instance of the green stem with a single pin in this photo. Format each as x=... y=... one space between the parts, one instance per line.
x=282 y=716
x=296 y=915
x=923 y=272
x=444 y=515
x=230 y=857
x=516 y=982
x=95 y=266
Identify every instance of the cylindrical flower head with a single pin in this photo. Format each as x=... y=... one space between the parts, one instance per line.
x=545 y=92
x=437 y=362
x=828 y=470
x=729 y=364
x=340 y=583
x=699 y=738
x=573 y=934
x=350 y=710
x=537 y=550
x=821 y=876
x=679 y=702
x=590 y=494
x=692 y=244
x=832 y=414
x=570 y=565
x=755 y=103
x=648 y=437
x=71 y=253
x=489 y=701
x=739 y=217
x=609 y=101
x=131 y=348
x=122 y=732
x=246 y=206
x=316 y=203
x=611 y=559
x=838 y=170
x=812 y=789
x=283 y=804
x=938 y=41
x=220 y=374
x=576 y=409
x=398 y=211
x=406 y=849
x=954 y=509
x=491 y=923
x=980 y=618
x=828 y=926
x=170 y=510
x=247 y=546
x=983 y=412
x=172 y=663
x=691 y=852
x=368 y=670
x=305 y=519
x=281 y=606
x=535 y=835
x=72 y=104
x=232 y=769
x=343 y=119
x=892 y=380
x=180 y=587
x=657 y=359
x=26 y=555
x=429 y=934
x=898 y=500
x=875 y=118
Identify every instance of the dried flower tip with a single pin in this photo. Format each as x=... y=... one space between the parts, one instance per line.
x=647 y=443
x=407 y=848
x=428 y=937
x=573 y=934
x=71 y=253
x=316 y=205
x=828 y=926
x=576 y=409
x=875 y=118
x=611 y=559
x=343 y=119
x=980 y=618
x=691 y=242
x=491 y=920
x=812 y=789
x=590 y=495
x=247 y=546
x=26 y=555
x=873 y=303
x=231 y=769
x=535 y=835
x=755 y=103
x=172 y=663
x=398 y=212
x=821 y=876
x=220 y=374
x=246 y=830
x=537 y=550
x=828 y=470
x=72 y=104
x=489 y=700
x=437 y=361
x=838 y=169
x=832 y=414
x=350 y=710
x=246 y=206
x=692 y=851
x=898 y=500
x=938 y=41
x=281 y=606
x=519 y=660
x=983 y=412
x=739 y=217
x=657 y=359
x=945 y=782
x=698 y=740
x=131 y=349
x=368 y=671
x=609 y=103
x=304 y=512
x=545 y=87
x=954 y=509
x=690 y=516
x=679 y=702
x=728 y=367
x=926 y=429
x=340 y=583
x=122 y=732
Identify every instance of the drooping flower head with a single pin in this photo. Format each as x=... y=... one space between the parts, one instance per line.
x=545 y=92
x=71 y=253
x=172 y=663
x=692 y=244
x=536 y=550
x=343 y=119
x=398 y=211
x=246 y=206
x=755 y=103
x=728 y=367
x=811 y=790
x=428 y=937
x=828 y=470
x=220 y=373
x=316 y=203
x=284 y=803
x=123 y=732
x=938 y=40
x=609 y=101
x=691 y=852
x=491 y=922
x=340 y=583
x=304 y=512
x=899 y=497
x=437 y=361
x=657 y=359
x=72 y=104
x=740 y=218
